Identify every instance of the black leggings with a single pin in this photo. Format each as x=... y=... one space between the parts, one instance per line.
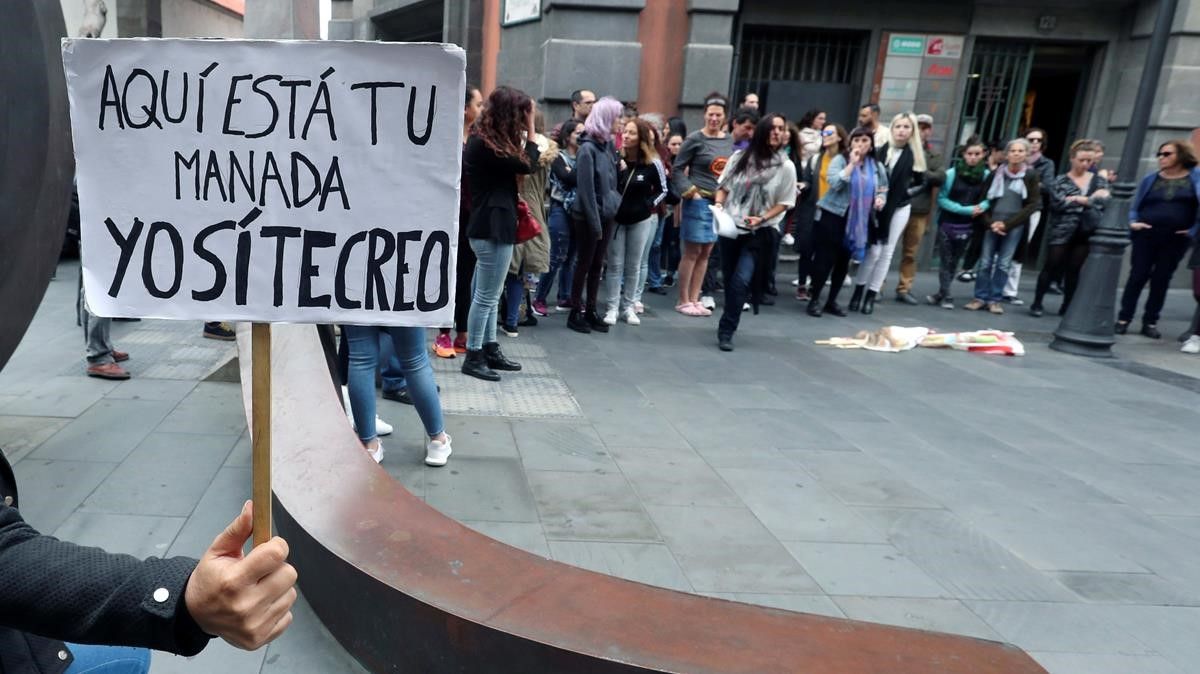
x=830 y=255
x=1063 y=260
x=589 y=262
x=464 y=274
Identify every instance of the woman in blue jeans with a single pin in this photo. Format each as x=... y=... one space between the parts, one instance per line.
x=562 y=197
x=409 y=345
x=1013 y=194
x=500 y=155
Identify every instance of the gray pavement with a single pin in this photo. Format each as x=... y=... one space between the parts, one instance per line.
x=1048 y=500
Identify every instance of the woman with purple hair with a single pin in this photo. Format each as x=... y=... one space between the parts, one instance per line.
x=594 y=211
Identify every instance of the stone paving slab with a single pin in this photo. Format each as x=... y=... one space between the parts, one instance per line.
x=1049 y=500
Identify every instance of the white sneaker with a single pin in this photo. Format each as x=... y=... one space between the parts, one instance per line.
x=438 y=453
x=795 y=283
x=381 y=427
x=376 y=453
x=1192 y=345
x=789 y=240
x=746 y=306
x=610 y=317
x=631 y=316
x=638 y=307
x=708 y=302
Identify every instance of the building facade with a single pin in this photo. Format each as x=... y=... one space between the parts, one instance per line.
x=153 y=18
x=985 y=67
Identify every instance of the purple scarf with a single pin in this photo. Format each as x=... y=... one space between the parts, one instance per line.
x=862 y=202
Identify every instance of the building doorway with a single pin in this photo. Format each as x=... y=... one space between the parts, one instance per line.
x=1013 y=85
x=797 y=69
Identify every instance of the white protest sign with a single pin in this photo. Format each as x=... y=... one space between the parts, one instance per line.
x=272 y=181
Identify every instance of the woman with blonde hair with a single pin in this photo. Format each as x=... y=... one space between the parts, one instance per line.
x=904 y=160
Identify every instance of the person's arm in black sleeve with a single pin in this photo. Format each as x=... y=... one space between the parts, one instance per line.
x=85 y=595
x=491 y=162
x=562 y=172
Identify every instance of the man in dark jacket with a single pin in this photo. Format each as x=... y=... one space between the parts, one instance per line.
x=922 y=207
x=53 y=592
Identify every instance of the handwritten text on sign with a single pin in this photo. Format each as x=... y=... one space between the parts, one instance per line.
x=268 y=181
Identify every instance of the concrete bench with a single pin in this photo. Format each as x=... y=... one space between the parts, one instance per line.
x=407 y=589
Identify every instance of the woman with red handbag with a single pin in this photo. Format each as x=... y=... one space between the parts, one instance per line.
x=495 y=159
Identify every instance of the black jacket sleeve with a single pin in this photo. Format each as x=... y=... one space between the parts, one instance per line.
x=64 y=591
x=562 y=172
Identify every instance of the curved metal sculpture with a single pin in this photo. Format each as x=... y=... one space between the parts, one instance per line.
x=36 y=160
x=407 y=589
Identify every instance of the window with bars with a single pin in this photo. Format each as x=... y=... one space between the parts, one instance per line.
x=996 y=85
x=798 y=55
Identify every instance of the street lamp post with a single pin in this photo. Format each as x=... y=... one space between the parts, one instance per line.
x=1087 y=327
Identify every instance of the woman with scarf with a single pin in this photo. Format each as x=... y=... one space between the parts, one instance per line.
x=905 y=161
x=858 y=187
x=960 y=204
x=1014 y=193
x=1031 y=244
x=1077 y=201
x=757 y=187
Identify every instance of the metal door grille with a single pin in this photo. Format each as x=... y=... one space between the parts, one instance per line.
x=995 y=93
x=798 y=55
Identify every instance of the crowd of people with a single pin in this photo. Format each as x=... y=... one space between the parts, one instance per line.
x=613 y=204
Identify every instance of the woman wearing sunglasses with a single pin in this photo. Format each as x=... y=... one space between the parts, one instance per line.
x=1165 y=218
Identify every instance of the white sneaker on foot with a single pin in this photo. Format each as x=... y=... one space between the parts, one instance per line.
x=610 y=317
x=708 y=302
x=1192 y=345
x=438 y=453
x=376 y=453
x=631 y=316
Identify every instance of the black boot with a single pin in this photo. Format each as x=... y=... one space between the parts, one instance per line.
x=856 y=298
x=476 y=366
x=868 y=304
x=578 y=322
x=597 y=323
x=832 y=307
x=497 y=360
x=814 y=307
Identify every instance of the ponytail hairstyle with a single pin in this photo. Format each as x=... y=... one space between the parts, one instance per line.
x=600 y=122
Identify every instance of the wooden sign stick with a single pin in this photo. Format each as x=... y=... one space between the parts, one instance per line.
x=260 y=439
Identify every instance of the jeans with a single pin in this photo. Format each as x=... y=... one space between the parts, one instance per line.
x=737 y=259
x=97 y=334
x=91 y=659
x=514 y=292
x=651 y=275
x=562 y=253
x=1027 y=251
x=491 y=268
x=874 y=269
x=1153 y=259
x=950 y=251
x=589 y=262
x=625 y=263
x=413 y=357
x=392 y=372
x=995 y=262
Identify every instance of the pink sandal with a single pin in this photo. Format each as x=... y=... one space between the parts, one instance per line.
x=700 y=310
